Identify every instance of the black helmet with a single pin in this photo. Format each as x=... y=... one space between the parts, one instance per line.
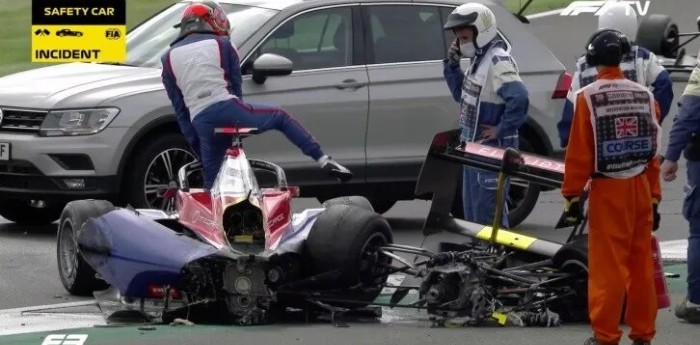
x=606 y=47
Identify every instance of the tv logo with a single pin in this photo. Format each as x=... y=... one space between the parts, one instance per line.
x=599 y=7
x=113 y=34
x=65 y=339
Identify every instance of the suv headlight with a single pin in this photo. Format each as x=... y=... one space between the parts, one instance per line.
x=77 y=121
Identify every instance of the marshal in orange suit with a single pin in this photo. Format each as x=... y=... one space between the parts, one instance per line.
x=612 y=153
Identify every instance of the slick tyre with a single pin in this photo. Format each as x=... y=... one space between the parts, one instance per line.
x=353 y=200
x=658 y=33
x=572 y=258
x=346 y=239
x=77 y=277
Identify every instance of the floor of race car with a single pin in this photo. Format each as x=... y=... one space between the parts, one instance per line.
x=396 y=326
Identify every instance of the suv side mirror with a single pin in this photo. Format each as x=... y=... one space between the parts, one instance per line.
x=267 y=65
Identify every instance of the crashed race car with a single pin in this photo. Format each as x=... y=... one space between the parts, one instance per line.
x=235 y=255
x=507 y=277
x=529 y=281
x=238 y=255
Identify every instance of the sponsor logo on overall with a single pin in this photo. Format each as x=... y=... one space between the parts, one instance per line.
x=628 y=140
x=599 y=7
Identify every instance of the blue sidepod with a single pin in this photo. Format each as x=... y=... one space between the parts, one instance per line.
x=131 y=252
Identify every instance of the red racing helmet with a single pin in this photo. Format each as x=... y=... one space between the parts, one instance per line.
x=205 y=16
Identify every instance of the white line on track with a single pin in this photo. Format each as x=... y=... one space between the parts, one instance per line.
x=46 y=306
x=38 y=319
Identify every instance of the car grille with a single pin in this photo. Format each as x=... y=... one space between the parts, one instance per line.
x=21 y=120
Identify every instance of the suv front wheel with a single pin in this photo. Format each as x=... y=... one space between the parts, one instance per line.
x=23 y=212
x=154 y=167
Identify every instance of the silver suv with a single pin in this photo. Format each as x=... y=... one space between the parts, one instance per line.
x=367 y=80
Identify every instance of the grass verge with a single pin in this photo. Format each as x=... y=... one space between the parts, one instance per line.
x=536 y=5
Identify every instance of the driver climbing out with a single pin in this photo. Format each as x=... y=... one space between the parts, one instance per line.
x=639 y=65
x=615 y=138
x=202 y=76
x=493 y=101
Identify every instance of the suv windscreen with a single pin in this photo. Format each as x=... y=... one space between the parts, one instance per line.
x=146 y=43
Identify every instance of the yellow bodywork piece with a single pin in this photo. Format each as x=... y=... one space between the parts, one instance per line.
x=506 y=238
x=500 y=317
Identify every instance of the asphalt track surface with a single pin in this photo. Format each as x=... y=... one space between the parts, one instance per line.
x=28 y=273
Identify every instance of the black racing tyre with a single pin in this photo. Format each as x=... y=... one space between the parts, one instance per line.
x=354 y=200
x=521 y=200
x=77 y=277
x=23 y=213
x=572 y=258
x=346 y=238
x=155 y=165
x=658 y=33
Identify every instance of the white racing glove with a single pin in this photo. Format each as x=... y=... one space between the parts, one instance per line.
x=334 y=169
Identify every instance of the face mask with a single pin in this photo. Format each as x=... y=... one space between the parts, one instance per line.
x=467 y=49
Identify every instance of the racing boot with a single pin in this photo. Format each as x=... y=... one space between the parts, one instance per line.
x=334 y=169
x=687 y=313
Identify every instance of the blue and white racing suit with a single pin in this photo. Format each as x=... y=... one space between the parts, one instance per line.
x=640 y=66
x=686 y=130
x=202 y=76
x=490 y=93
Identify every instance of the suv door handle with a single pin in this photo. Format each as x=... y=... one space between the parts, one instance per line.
x=350 y=84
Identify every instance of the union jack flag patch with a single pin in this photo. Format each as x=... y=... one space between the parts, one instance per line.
x=626 y=127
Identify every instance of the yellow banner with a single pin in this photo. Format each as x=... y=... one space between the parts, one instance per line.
x=86 y=43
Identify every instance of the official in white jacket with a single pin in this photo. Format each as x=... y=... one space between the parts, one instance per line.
x=640 y=66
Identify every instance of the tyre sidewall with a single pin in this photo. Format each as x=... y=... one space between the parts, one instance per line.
x=77 y=213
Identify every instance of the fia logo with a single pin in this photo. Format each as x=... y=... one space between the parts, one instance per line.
x=113 y=34
x=65 y=339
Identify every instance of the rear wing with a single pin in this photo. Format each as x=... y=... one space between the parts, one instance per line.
x=447 y=154
x=442 y=170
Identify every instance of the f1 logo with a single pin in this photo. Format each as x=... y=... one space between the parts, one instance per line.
x=599 y=7
x=65 y=339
